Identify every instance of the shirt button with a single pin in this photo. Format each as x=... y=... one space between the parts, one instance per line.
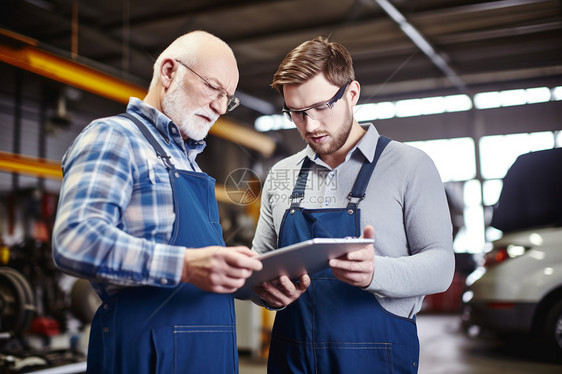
x=106 y=329
x=174 y=131
x=105 y=306
x=163 y=281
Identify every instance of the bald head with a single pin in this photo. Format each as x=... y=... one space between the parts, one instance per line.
x=193 y=48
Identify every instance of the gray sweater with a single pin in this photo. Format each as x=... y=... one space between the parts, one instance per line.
x=405 y=203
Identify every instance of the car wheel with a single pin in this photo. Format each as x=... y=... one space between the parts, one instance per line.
x=553 y=326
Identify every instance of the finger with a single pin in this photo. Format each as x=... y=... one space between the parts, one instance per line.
x=269 y=292
x=242 y=260
x=226 y=285
x=285 y=285
x=277 y=288
x=368 y=232
x=354 y=279
x=238 y=273
x=304 y=282
x=350 y=266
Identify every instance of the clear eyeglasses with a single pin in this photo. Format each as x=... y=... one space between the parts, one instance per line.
x=215 y=93
x=316 y=112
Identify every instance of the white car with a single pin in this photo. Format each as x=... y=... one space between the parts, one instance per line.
x=519 y=287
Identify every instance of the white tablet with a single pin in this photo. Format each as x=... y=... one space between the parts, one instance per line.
x=307 y=257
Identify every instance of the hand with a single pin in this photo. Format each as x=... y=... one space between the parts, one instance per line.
x=357 y=267
x=219 y=269
x=281 y=291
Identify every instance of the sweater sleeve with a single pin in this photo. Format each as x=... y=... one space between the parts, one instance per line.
x=428 y=266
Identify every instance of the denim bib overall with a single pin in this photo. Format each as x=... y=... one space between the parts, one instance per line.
x=334 y=327
x=170 y=330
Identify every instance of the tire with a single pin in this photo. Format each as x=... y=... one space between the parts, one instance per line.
x=17 y=302
x=553 y=325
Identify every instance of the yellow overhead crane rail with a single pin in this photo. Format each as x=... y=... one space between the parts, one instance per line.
x=44 y=168
x=24 y=53
x=30 y=165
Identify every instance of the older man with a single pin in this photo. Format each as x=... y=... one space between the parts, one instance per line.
x=139 y=218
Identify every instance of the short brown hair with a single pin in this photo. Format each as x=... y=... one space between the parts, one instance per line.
x=312 y=58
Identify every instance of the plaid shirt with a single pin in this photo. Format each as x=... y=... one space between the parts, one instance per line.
x=115 y=215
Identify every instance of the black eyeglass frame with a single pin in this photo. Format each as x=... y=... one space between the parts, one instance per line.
x=330 y=104
x=232 y=101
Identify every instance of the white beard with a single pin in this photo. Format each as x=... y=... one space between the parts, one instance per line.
x=190 y=123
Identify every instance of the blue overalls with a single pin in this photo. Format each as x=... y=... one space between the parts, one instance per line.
x=170 y=330
x=334 y=327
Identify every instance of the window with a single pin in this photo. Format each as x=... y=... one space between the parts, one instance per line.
x=455 y=160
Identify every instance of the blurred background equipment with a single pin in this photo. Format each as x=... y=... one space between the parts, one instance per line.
x=17 y=303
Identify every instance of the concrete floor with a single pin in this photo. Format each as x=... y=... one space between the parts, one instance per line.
x=446 y=350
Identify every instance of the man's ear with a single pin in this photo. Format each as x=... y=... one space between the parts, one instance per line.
x=167 y=72
x=354 y=92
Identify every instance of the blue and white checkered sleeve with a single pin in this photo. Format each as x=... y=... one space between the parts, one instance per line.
x=88 y=239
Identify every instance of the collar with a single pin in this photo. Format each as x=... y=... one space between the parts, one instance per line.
x=366 y=146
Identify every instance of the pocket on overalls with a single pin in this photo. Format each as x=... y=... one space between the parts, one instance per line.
x=350 y=358
x=195 y=349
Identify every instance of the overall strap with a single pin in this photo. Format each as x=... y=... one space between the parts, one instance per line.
x=160 y=152
x=298 y=191
x=358 y=192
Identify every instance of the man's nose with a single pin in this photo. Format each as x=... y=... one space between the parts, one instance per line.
x=219 y=106
x=309 y=123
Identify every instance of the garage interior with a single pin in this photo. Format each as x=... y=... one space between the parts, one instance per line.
x=64 y=63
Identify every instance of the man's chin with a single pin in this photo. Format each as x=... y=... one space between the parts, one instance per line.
x=197 y=134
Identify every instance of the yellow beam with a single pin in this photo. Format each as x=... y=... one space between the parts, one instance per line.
x=25 y=55
x=29 y=165
x=22 y=52
x=234 y=132
x=39 y=167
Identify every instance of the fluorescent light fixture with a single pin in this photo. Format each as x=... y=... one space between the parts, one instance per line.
x=487 y=100
x=386 y=110
x=409 y=108
x=558 y=136
x=365 y=112
x=432 y=105
x=557 y=93
x=513 y=97
x=264 y=123
x=273 y=122
x=541 y=140
x=457 y=103
x=538 y=95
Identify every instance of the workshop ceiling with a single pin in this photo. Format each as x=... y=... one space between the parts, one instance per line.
x=458 y=45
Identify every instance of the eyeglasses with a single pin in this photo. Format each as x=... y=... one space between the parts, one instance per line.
x=215 y=93
x=316 y=112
